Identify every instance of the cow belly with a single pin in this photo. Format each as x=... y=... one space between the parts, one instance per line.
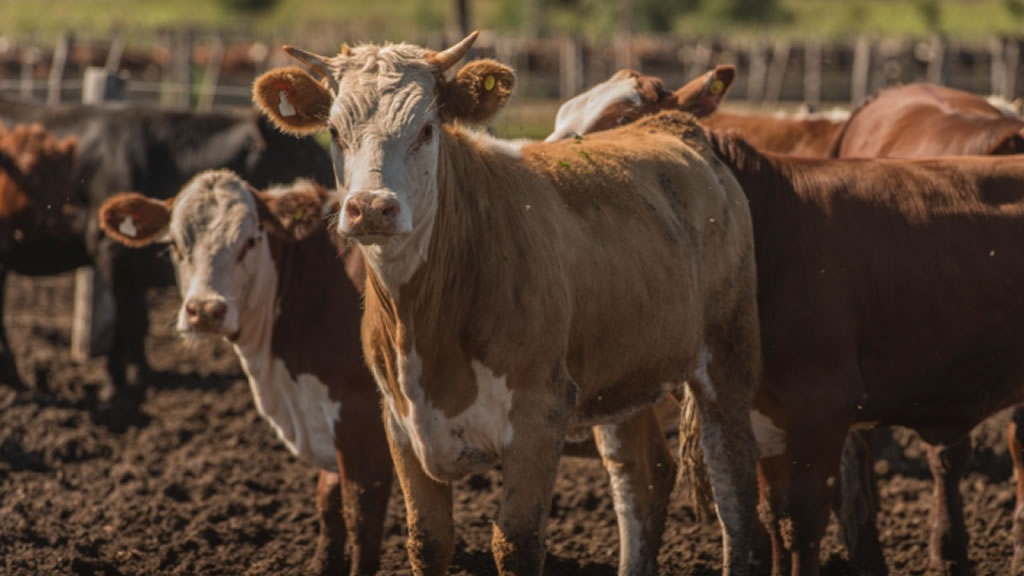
x=300 y=411
x=449 y=447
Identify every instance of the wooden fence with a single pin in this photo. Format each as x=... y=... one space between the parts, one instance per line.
x=198 y=69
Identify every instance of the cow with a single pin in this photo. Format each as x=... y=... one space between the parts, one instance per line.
x=925 y=120
x=260 y=269
x=35 y=183
x=921 y=120
x=629 y=95
x=888 y=296
x=154 y=152
x=517 y=292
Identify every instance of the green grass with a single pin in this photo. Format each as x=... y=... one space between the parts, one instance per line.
x=416 y=19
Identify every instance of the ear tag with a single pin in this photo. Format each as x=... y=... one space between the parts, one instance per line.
x=298 y=214
x=489 y=82
x=717 y=86
x=285 y=107
x=127 y=227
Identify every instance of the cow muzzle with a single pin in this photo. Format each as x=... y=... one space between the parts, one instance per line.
x=205 y=315
x=370 y=215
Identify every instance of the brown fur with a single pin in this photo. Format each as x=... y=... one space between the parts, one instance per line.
x=809 y=137
x=467 y=96
x=150 y=218
x=858 y=262
x=922 y=120
x=293 y=210
x=310 y=98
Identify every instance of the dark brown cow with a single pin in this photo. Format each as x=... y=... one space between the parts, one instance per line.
x=889 y=293
x=923 y=120
x=920 y=120
x=259 y=269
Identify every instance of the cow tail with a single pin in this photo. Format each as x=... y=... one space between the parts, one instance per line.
x=692 y=468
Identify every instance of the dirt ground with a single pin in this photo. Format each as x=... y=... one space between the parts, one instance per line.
x=189 y=480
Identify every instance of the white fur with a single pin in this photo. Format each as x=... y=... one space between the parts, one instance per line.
x=470 y=441
x=299 y=409
x=127 y=227
x=578 y=114
x=631 y=560
x=770 y=438
x=701 y=375
x=284 y=106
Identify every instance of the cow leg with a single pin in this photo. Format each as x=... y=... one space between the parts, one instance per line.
x=330 y=544
x=428 y=508
x=8 y=369
x=947 y=547
x=642 y=473
x=366 y=486
x=856 y=504
x=529 y=465
x=1015 y=433
x=773 y=480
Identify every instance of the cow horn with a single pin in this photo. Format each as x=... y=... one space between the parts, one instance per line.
x=316 y=63
x=446 y=59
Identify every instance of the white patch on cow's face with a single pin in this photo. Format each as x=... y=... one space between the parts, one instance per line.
x=299 y=409
x=386 y=129
x=472 y=440
x=220 y=251
x=770 y=438
x=578 y=114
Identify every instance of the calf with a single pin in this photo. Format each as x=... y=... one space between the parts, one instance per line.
x=518 y=291
x=920 y=120
x=888 y=294
x=259 y=269
x=154 y=152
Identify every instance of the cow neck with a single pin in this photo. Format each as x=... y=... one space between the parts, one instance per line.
x=431 y=309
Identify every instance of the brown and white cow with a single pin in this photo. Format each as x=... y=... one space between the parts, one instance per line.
x=629 y=95
x=260 y=269
x=921 y=120
x=518 y=291
x=888 y=294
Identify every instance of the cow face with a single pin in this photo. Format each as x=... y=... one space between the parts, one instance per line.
x=217 y=227
x=384 y=107
x=629 y=95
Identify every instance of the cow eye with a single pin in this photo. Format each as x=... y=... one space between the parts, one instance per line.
x=334 y=133
x=249 y=244
x=425 y=135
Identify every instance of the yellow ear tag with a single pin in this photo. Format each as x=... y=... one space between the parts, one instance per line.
x=717 y=86
x=299 y=213
x=489 y=82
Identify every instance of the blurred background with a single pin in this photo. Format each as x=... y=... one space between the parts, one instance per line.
x=205 y=53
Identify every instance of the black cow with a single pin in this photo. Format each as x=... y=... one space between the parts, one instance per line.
x=155 y=152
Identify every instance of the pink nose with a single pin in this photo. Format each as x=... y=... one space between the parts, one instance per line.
x=368 y=213
x=205 y=314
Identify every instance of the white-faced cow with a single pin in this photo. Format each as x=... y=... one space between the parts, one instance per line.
x=260 y=269
x=517 y=292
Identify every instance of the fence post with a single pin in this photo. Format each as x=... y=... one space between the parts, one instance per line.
x=812 y=73
x=997 y=66
x=1012 y=52
x=569 y=68
x=861 y=70
x=27 y=85
x=92 y=321
x=776 y=71
x=937 y=61
x=208 y=89
x=60 y=59
x=758 y=72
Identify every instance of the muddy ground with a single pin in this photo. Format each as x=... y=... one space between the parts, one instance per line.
x=193 y=482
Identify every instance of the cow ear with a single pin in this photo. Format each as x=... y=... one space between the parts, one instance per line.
x=293 y=100
x=294 y=211
x=134 y=220
x=702 y=95
x=478 y=92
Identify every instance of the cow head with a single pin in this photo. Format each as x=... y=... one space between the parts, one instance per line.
x=384 y=107
x=217 y=227
x=629 y=95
